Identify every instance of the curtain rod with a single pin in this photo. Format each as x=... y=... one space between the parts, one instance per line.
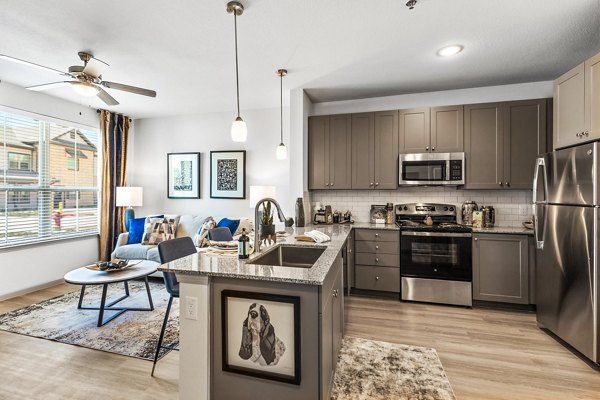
x=98 y=110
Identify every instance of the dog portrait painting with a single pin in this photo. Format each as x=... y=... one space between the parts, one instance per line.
x=260 y=344
x=261 y=335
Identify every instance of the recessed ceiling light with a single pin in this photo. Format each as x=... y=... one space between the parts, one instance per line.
x=450 y=50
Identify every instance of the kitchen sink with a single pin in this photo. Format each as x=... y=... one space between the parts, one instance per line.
x=290 y=256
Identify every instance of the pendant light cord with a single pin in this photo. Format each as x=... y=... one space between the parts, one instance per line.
x=237 y=79
x=281 y=103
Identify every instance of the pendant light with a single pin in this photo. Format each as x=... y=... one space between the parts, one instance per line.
x=281 y=152
x=239 y=131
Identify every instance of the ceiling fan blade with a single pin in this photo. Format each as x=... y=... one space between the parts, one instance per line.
x=105 y=97
x=128 y=88
x=23 y=62
x=95 y=67
x=46 y=86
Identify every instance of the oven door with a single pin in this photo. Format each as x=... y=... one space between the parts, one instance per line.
x=436 y=255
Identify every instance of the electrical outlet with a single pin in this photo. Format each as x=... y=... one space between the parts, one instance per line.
x=191 y=307
x=525 y=210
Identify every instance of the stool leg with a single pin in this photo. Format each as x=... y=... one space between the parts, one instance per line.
x=162 y=334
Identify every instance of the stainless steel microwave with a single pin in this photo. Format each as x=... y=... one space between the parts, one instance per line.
x=432 y=169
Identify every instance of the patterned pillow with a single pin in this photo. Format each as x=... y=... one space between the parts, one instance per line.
x=158 y=230
x=201 y=238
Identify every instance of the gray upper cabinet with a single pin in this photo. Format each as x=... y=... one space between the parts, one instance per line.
x=426 y=130
x=501 y=268
x=329 y=152
x=386 y=150
x=569 y=107
x=484 y=135
x=447 y=129
x=414 y=130
x=592 y=96
x=363 y=153
x=524 y=140
x=577 y=104
x=502 y=141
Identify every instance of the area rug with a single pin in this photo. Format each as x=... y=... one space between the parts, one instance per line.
x=370 y=370
x=134 y=333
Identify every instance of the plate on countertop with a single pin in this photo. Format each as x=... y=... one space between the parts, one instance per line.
x=96 y=266
x=528 y=225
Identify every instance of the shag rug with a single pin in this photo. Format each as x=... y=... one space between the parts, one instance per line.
x=370 y=370
x=133 y=333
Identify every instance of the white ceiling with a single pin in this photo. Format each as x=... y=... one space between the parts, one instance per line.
x=334 y=49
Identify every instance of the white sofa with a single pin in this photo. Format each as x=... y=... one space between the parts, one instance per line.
x=188 y=226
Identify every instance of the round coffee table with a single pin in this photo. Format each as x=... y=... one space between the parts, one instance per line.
x=87 y=277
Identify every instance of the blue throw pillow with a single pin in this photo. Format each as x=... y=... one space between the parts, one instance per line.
x=232 y=224
x=136 y=230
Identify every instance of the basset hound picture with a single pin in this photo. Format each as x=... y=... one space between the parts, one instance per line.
x=259 y=342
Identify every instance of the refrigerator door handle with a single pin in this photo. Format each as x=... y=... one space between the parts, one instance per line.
x=540 y=163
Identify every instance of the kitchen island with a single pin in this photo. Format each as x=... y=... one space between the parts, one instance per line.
x=214 y=290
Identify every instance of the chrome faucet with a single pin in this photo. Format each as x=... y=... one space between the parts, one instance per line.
x=282 y=218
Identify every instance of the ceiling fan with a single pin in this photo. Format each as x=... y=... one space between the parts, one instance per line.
x=86 y=79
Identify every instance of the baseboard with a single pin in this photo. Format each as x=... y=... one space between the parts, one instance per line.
x=30 y=289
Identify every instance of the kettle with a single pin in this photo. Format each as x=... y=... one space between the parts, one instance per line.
x=467 y=212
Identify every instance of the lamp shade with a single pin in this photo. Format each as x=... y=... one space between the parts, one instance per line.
x=239 y=131
x=260 y=192
x=129 y=196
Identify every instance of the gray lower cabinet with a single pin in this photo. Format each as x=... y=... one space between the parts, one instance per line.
x=332 y=326
x=501 y=268
x=377 y=260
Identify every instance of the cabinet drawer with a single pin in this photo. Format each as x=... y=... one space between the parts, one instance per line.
x=378 y=247
x=377 y=278
x=384 y=260
x=377 y=235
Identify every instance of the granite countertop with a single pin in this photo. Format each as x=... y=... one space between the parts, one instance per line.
x=228 y=266
x=514 y=230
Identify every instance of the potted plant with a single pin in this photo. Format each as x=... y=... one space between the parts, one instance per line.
x=266 y=227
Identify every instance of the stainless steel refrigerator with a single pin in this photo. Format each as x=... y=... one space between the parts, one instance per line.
x=566 y=201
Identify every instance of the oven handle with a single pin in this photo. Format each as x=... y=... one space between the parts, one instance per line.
x=436 y=234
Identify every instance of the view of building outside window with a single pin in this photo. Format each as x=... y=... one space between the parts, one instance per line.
x=48 y=179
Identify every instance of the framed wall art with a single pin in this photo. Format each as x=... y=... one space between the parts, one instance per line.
x=261 y=335
x=183 y=175
x=228 y=174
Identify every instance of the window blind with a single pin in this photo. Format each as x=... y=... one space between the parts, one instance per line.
x=49 y=180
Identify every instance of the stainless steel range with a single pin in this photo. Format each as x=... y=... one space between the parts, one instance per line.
x=435 y=254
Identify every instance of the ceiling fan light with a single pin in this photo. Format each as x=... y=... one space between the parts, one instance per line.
x=85 y=89
x=239 y=131
x=281 y=152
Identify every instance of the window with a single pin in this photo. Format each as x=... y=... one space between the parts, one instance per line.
x=48 y=180
x=19 y=161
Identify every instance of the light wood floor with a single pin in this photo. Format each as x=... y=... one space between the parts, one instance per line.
x=487 y=354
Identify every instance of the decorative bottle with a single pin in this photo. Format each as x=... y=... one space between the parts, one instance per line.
x=299 y=213
x=243 y=246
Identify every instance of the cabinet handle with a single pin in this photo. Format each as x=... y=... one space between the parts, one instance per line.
x=427 y=148
x=376 y=247
x=507 y=184
x=433 y=148
x=587 y=133
x=377 y=235
x=331 y=184
x=327 y=184
x=376 y=259
x=371 y=184
x=376 y=183
x=376 y=278
x=335 y=293
x=499 y=183
x=475 y=239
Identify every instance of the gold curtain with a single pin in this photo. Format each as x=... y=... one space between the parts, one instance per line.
x=114 y=129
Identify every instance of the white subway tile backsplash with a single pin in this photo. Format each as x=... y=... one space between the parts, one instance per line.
x=506 y=202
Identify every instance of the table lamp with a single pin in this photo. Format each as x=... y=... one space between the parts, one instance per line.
x=129 y=196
